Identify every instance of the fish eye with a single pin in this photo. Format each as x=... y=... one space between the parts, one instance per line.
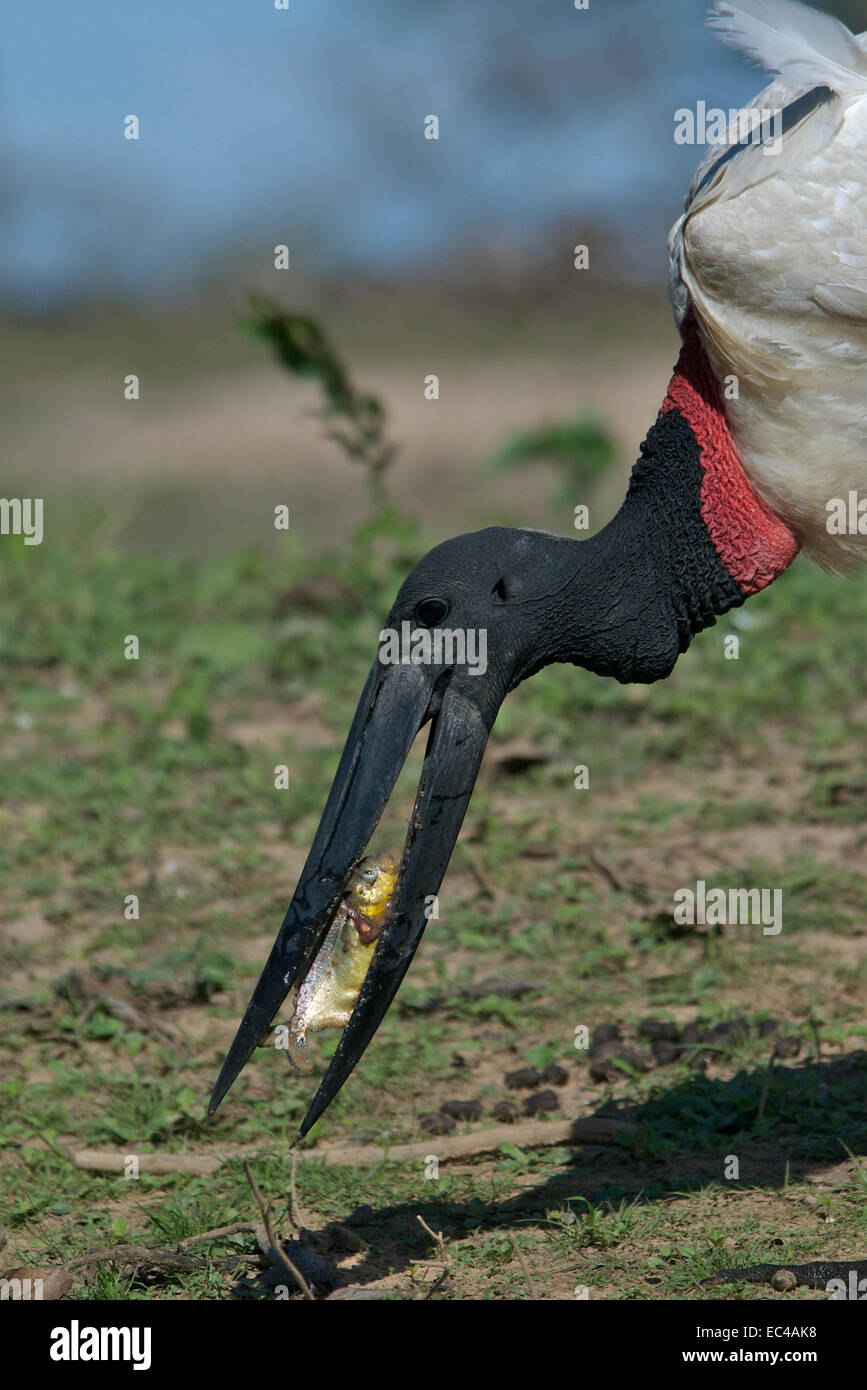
x=431 y=611
x=370 y=875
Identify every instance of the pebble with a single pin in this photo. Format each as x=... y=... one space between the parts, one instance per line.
x=604 y=1067
x=541 y=1101
x=462 y=1109
x=555 y=1076
x=525 y=1078
x=737 y=1030
x=664 y=1052
x=693 y=1034
x=655 y=1030
x=436 y=1122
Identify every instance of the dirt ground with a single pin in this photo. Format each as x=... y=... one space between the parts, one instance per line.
x=557 y=905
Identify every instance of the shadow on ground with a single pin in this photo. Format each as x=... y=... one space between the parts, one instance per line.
x=812 y=1115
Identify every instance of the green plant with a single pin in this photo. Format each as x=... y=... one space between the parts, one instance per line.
x=582 y=449
x=304 y=349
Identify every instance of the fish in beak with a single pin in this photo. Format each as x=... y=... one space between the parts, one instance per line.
x=476 y=616
x=481 y=613
x=397 y=701
x=330 y=991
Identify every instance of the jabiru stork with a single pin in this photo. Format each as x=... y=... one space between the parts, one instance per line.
x=764 y=424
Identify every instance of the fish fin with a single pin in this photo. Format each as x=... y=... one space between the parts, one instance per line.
x=299 y=1054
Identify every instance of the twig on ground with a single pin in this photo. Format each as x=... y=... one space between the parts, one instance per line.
x=610 y=877
x=156 y=1164
x=272 y=1239
x=216 y=1233
x=532 y=1134
x=171 y=1260
x=295 y=1213
x=439 y=1242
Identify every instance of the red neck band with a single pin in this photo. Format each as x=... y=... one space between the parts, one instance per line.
x=753 y=543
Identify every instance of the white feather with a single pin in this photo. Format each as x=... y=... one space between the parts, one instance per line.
x=847 y=301
x=771 y=257
x=805 y=47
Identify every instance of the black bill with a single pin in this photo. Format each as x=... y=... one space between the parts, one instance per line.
x=396 y=702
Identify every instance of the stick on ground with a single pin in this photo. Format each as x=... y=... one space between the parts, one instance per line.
x=532 y=1134
x=272 y=1239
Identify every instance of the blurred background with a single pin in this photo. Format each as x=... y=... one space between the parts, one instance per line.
x=454 y=257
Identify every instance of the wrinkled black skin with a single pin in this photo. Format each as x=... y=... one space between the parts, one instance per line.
x=624 y=603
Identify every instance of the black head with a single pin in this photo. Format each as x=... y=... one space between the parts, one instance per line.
x=476 y=616
x=511 y=589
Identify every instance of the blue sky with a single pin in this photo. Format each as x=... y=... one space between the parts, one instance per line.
x=261 y=126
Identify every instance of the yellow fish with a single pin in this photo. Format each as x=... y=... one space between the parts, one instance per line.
x=331 y=988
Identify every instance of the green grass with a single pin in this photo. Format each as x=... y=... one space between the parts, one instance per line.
x=149 y=777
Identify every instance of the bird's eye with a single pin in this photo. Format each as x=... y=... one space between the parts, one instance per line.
x=370 y=875
x=431 y=611
x=499 y=590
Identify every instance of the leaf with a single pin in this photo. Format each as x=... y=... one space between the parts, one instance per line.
x=511 y=1151
x=542 y=1056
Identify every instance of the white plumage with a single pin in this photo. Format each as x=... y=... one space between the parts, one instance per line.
x=771 y=256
